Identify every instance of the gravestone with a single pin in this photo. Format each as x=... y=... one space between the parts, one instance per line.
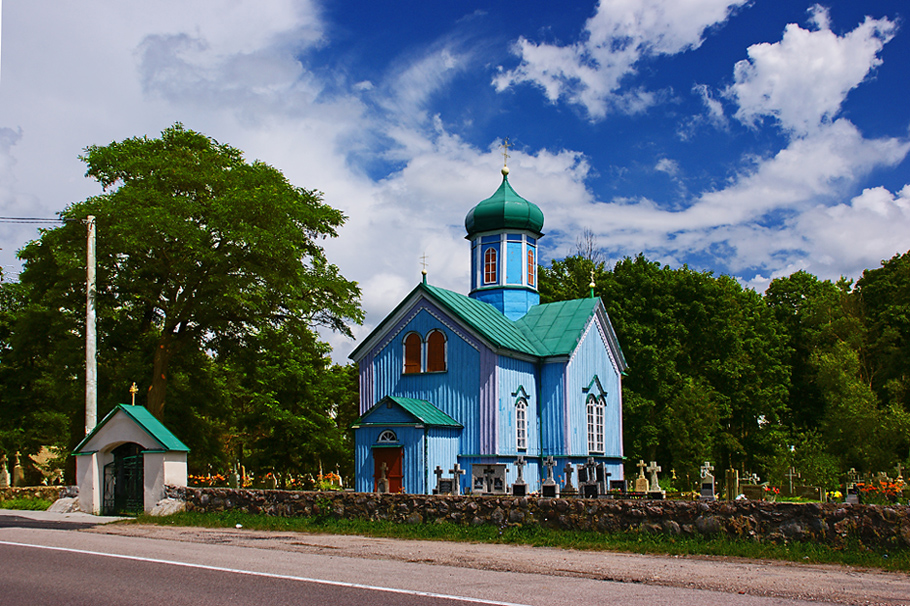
x=18 y=475
x=488 y=478
x=549 y=489
x=812 y=493
x=753 y=492
x=569 y=489
x=654 y=490
x=587 y=480
x=382 y=484
x=457 y=472
x=619 y=486
x=732 y=484
x=641 y=482
x=791 y=474
x=707 y=483
x=443 y=485
x=4 y=471
x=852 y=491
x=520 y=487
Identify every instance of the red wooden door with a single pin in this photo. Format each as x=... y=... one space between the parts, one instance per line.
x=392 y=457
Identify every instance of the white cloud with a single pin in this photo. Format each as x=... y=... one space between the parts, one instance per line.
x=621 y=33
x=802 y=80
x=665 y=165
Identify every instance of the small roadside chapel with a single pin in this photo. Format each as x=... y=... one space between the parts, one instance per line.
x=488 y=393
x=124 y=464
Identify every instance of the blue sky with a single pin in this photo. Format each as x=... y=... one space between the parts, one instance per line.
x=752 y=138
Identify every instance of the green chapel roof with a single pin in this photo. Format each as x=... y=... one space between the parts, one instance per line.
x=147 y=422
x=505 y=209
x=422 y=410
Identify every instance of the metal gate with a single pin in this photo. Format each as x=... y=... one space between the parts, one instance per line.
x=123 y=482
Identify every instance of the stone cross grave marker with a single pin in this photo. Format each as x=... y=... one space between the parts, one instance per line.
x=382 y=485
x=653 y=468
x=550 y=488
x=852 y=495
x=568 y=469
x=900 y=472
x=641 y=482
x=457 y=472
x=18 y=474
x=707 y=482
x=4 y=471
x=520 y=488
x=792 y=473
x=443 y=485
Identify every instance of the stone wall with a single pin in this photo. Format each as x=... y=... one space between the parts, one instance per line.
x=873 y=526
x=51 y=493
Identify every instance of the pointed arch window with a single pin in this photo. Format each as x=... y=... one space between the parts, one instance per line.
x=436 y=351
x=412 y=353
x=521 y=424
x=595 y=410
x=490 y=266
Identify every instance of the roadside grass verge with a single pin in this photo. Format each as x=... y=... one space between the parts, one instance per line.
x=25 y=503
x=536 y=536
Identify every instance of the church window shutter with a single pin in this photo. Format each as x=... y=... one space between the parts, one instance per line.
x=436 y=351
x=412 y=347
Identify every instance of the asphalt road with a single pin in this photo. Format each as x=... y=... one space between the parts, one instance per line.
x=47 y=559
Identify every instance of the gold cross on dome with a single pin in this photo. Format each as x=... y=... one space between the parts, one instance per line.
x=505 y=151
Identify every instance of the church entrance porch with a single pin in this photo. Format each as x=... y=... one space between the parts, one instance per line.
x=387 y=469
x=123 y=481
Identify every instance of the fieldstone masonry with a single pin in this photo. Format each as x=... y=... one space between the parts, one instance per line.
x=832 y=523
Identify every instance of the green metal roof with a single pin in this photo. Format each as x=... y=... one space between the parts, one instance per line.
x=505 y=209
x=422 y=410
x=558 y=326
x=486 y=319
x=147 y=422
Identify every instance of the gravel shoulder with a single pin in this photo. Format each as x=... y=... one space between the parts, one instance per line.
x=823 y=583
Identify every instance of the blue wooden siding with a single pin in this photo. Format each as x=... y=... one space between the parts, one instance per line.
x=366 y=382
x=489 y=399
x=413 y=464
x=514 y=265
x=591 y=359
x=552 y=409
x=512 y=375
x=442 y=451
x=455 y=391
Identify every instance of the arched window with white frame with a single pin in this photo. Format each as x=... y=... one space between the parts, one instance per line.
x=413 y=346
x=490 y=266
x=436 y=351
x=521 y=424
x=595 y=413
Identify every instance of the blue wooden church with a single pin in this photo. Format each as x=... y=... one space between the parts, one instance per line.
x=484 y=389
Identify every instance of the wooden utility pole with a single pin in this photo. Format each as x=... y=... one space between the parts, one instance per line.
x=91 y=361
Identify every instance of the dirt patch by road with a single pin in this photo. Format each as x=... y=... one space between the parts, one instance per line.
x=832 y=584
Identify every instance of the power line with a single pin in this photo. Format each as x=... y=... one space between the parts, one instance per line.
x=29 y=220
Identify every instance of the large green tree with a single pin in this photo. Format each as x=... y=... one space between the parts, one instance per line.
x=194 y=244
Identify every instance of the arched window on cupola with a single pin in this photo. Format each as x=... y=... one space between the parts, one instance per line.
x=532 y=267
x=436 y=351
x=412 y=354
x=490 y=266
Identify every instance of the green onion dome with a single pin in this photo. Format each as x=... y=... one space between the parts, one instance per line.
x=504 y=210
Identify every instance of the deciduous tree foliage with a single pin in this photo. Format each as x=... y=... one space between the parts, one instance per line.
x=203 y=259
x=194 y=242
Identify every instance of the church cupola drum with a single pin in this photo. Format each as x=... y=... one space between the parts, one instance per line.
x=503 y=231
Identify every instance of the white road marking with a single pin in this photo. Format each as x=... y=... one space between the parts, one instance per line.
x=268 y=574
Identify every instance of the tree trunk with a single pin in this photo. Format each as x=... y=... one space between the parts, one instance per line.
x=155 y=402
